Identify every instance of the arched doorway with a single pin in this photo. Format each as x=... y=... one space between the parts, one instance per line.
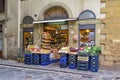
x=58 y=30
x=27 y=32
x=86 y=31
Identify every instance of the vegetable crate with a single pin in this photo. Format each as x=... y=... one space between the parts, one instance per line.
x=72 y=61
x=44 y=59
x=36 y=59
x=28 y=58
x=64 y=60
x=94 y=63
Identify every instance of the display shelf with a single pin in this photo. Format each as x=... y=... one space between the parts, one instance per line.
x=46 y=39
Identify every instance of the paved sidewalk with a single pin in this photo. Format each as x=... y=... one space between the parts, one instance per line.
x=54 y=68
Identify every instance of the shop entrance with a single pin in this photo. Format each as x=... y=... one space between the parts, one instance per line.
x=58 y=33
x=1 y=40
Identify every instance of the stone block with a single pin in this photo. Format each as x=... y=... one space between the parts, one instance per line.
x=105 y=52
x=112 y=14
x=110 y=47
x=110 y=58
x=105 y=41
x=102 y=57
x=118 y=59
x=106 y=63
x=110 y=31
x=112 y=3
x=113 y=35
x=111 y=20
x=113 y=26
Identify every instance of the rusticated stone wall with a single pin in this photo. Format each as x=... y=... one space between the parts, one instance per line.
x=111 y=50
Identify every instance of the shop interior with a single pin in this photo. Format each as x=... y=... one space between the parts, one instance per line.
x=57 y=36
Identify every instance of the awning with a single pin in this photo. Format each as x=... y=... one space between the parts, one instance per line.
x=58 y=20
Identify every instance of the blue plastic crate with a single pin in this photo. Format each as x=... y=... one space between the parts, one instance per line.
x=72 y=56
x=94 y=69
x=83 y=65
x=36 y=62
x=63 y=60
x=28 y=62
x=44 y=63
x=94 y=63
x=45 y=56
x=36 y=55
x=54 y=60
x=28 y=55
x=72 y=66
x=94 y=58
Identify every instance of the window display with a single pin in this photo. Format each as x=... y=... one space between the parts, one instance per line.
x=87 y=37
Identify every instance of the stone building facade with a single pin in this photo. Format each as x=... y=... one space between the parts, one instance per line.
x=106 y=17
x=111 y=43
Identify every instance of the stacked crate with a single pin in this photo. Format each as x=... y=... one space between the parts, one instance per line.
x=64 y=60
x=94 y=63
x=36 y=59
x=44 y=59
x=72 y=61
x=28 y=58
x=82 y=61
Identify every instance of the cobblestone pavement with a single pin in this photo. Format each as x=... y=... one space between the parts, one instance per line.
x=12 y=72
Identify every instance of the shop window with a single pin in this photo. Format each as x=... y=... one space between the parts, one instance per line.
x=87 y=35
x=86 y=31
x=27 y=37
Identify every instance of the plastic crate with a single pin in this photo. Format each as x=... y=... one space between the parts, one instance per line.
x=36 y=55
x=94 y=58
x=94 y=63
x=28 y=59
x=83 y=65
x=72 y=66
x=44 y=63
x=54 y=60
x=64 y=60
x=94 y=68
x=45 y=55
